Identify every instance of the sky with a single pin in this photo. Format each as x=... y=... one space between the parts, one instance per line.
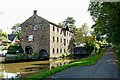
x=17 y=11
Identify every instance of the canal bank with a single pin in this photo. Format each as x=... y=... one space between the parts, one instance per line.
x=84 y=62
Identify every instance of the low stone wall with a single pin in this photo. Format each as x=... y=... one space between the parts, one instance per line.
x=80 y=51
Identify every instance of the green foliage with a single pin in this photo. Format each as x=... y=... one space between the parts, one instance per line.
x=85 y=29
x=13 y=48
x=21 y=57
x=35 y=55
x=84 y=62
x=3 y=35
x=16 y=30
x=71 y=24
x=79 y=38
x=69 y=21
x=106 y=17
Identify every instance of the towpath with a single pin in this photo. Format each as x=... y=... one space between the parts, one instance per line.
x=106 y=67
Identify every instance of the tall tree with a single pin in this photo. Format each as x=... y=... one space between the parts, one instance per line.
x=71 y=23
x=106 y=17
x=79 y=38
x=85 y=29
x=16 y=30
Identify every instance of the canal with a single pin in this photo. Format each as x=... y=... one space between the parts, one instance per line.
x=24 y=69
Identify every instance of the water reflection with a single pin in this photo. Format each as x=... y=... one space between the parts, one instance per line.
x=8 y=75
x=24 y=69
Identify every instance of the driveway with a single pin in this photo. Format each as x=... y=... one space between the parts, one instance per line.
x=105 y=68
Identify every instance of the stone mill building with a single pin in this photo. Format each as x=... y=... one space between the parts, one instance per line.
x=45 y=38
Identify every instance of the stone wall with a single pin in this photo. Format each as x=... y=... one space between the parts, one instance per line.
x=37 y=44
x=79 y=51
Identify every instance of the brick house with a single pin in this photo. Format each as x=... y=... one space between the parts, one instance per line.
x=45 y=38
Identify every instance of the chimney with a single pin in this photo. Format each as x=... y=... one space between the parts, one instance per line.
x=35 y=12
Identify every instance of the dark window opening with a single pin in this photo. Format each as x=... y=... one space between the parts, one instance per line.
x=57 y=50
x=53 y=28
x=64 y=50
x=64 y=42
x=57 y=29
x=53 y=39
x=57 y=39
x=60 y=50
x=53 y=50
x=61 y=39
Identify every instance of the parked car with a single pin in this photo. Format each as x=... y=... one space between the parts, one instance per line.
x=3 y=53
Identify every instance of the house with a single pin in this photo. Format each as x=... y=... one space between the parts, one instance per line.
x=41 y=36
x=11 y=39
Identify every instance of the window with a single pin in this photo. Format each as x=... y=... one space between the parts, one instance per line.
x=61 y=31
x=53 y=28
x=61 y=39
x=43 y=38
x=60 y=50
x=57 y=29
x=35 y=27
x=53 y=38
x=30 y=38
x=26 y=28
x=57 y=39
x=53 y=50
x=57 y=50
x=64 y=50
x=34 y=19
x=64 y=42
x=43 y=27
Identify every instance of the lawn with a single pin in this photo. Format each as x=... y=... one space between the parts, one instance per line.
x=84 y=62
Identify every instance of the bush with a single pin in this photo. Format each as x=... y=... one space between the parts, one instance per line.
x=13 y=48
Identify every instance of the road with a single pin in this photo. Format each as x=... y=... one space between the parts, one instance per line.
x=105 y=68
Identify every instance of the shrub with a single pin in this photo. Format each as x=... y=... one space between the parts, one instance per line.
x=13 y=48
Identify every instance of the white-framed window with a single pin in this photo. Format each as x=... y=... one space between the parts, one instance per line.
x=30 y=38
x=35 y=27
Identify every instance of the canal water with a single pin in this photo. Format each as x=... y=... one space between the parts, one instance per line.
x=24 y=69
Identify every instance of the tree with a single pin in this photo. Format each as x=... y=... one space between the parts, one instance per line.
x=85 y=29
x=2 y=35
x=16 y=30
x=79 y=38
x=106 y=17
x=71 y=23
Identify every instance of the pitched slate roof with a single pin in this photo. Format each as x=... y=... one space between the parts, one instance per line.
x=11 y=37
x=39 y=18
x=6 y=40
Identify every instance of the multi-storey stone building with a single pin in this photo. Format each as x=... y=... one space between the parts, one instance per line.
x=45 y=38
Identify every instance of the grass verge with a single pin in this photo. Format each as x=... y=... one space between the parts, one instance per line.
x=84 y=62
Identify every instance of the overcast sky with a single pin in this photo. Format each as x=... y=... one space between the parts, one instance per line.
x=17 y=11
